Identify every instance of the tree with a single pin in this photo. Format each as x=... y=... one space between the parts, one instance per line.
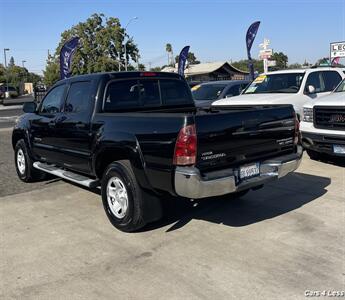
x=2 y=73
x=281 y=60
x=243 y=65
x=141 y=67
x=156 y=69
x=169 y=50
x=101 y=47
x=295 y=66
x=51 y=74
x=11 y=63
x=191 y=59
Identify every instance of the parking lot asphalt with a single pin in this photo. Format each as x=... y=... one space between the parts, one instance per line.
x=274 y=243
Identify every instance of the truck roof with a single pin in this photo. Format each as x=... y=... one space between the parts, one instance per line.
x=307 y=70
x=130 y=74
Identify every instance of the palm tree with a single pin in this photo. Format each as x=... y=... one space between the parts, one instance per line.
x=169 y=50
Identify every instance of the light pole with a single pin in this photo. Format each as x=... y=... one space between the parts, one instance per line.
x=23 y=62
x=6 y=49
x=124 y=36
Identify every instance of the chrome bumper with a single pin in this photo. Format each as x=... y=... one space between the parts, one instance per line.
x=190 y=183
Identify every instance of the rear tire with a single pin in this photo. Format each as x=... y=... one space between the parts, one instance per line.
x=122 y=197
x=24 y=164
x=314 y=155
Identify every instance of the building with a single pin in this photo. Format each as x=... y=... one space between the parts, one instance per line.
x=211 y=71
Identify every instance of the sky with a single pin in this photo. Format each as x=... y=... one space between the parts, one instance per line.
x=215 y=30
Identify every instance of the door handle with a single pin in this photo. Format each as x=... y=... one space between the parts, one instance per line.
x=51 y=124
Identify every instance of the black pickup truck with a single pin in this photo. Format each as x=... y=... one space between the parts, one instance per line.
x=139 y=137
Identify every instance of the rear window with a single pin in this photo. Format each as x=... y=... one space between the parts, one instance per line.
x=145 y=93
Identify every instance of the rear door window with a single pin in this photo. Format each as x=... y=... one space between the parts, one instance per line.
x=331 y=80
x=78 y=99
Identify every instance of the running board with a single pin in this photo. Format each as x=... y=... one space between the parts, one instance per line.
x=68 y=175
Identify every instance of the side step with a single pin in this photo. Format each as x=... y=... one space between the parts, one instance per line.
x=68 y=175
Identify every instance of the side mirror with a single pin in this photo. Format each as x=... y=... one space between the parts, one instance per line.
x=229 y=95
x=29 y=107
x=311 y=89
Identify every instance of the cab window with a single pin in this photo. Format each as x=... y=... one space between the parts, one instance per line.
x=331 y=80
x=315 y=79
x=52 y=102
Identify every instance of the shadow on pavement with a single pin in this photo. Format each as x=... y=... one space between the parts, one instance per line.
x=285 y=195
x=337 y=161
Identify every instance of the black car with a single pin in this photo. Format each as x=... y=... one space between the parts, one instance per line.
x=206 y=93
x=139 y=138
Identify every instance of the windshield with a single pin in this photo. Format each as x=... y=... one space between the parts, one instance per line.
x=288 y=83
x=341 y=87
x=207 y=91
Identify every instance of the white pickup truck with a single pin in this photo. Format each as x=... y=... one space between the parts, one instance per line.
x=323 y=125
x=296 y=87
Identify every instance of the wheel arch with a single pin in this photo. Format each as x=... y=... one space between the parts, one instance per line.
x=111 y=152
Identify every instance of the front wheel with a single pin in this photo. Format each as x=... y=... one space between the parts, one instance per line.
x=25 y=170
x=122 y=197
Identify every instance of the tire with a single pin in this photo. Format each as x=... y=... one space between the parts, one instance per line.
x=314 y=155
x=25 y=170
x=122 y=197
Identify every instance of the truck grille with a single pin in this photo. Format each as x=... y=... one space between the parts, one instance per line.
x=329 y=117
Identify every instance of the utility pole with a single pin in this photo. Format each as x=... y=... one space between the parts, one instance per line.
x=125 y=45
x=6 y=49
x=23 y=62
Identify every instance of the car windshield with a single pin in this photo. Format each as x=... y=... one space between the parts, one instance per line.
x=276 y=83
x=341 y=87
x=207 y=91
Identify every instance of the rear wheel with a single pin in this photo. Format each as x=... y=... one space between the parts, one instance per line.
x=122 y=197
x=25 y=170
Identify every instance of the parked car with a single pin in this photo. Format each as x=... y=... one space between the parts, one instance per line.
x=206 y=93
x=2 y=91
x=139 y=137
x=323 y=125
x=295 y=87
x=12 y=92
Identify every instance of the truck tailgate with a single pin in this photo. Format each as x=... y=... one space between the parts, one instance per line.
x=239 y=135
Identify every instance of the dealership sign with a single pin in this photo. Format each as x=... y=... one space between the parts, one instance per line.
x=338 y=49
x=265 y=54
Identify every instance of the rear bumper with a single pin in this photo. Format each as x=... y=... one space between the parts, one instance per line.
x=322 y=143
x=190 y=183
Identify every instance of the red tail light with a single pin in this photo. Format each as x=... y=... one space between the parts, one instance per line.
x=186 y=146
x=297 y=132
x=148 y=74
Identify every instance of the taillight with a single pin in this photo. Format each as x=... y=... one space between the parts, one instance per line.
x=148 y=74
x=186 y=146
x=297 y=132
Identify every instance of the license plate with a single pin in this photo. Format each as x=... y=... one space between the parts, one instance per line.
x=250 y=171
x=339 y=149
